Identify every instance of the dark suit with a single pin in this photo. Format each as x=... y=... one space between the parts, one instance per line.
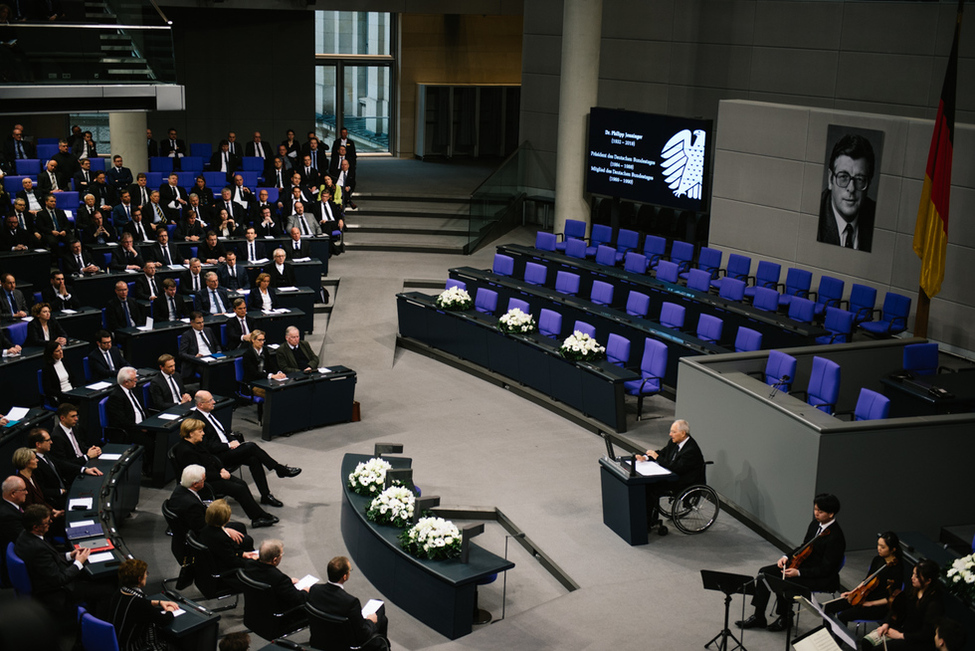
x=303 y=250
x=69 y=264
x=51 y=478
x=10 y=239
x=45 y=185
x=349 y=150
x=274 y=229
x=135 y=195
x=11 y=524
x=90 y=238
x=349 y=183
x=189 y=348
x=81 y=182
x=234 y=331
x=190 y=516
x=828 y=232
x=160 y=308
x=119 y=215
x=122 y=258
x=48 y=295
x=143 y=290
x=37 y=194
x=321 y=214
x=285 y=596
x=19 y=303
x=119 y=409
x=50 y=381
x=167 y=194
x=686 y=462
x=334 y=600
x=100 y=370
x=104 y=193
x=206 y=252
x=246 y=454
x=35 y=334
x=234 y=210
x=283 y=279
x=149 y=213
x=10 y=149
x=255 y=301
x=319 y=159
x=120 y=178
x=186 y=282
x=271 y=177
x=257 y=366
x=52 y=576
x=203 y=302
x=287 y=360
x=155 y=253
x=115 y=314
x=226 y=554
x=63 y=452
x=152 y=148
x=250 y=150
x=186 y=453
x=46 y=221
x=233 y=163
x=310 y=177
x=166 y=147
x=161 y=393
x=185 y=230
x=243 y=252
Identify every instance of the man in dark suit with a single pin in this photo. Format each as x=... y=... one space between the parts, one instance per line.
x=173 y=147
x=281 y=271
x=153 y=211
x=345 y=179
x=167 y=389
x=241 y=194
x=172 y=198
x=52 y=476
x=105 y=196
x=147 y=286
x=344 y=141
x=367 y=633
x=187 y=503
x=86 y=210
x=83 y=178
x=310 y=176
x=99 y=232
x=213 y=299
x=277 y=174
x=67 y=162
x=57 y=294
x=239 y=326
x=233 y=276
x=11 y=513
x=105 y=360
x=15 y=147
x=122 y=211
x=140 y=230
x=251 y=250
x=681 y=456
x=820 y=570
x=319 y=157
x=69 y=446
x=191 y=281
x=225 y=161
x=298 y=247
x=52 y=179
x=296 y=354
x=234 y=210
x=12 y=305
x=125 y=408
x=25 y=218
x=257 y=147
x=53 y=225
x=118 y=177
x=163 y=252
x=33 y=198
x=13 y=237
x=170 y=305
x=259 y=204
x=265 y=225
x=232 y=450
x=846 y=213
x=328 y=213
x=286 y=595
x=198 y=341
x=126 y=256
x=77 y=260
x=152 y=147
x=139 y=191
x=122 y=311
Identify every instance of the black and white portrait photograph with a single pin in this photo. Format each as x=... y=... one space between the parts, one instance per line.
x=851 y=177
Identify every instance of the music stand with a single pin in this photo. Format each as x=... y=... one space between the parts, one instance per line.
x=785 y=589
x=729 y=584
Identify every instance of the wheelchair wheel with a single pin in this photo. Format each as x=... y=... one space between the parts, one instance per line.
x=695 y=509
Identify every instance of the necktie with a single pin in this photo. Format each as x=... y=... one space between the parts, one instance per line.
x=74 y=443
x=307 y=171
x=128 y=213
x=20 y=150
x=251 y=253
x=848 y=234
x=13 y=303
x=165 y=249
x=304 y=228
x=314 y=162
x=279 y=184
x=196 y=282
x=215 y=302
x=159 y=212
x=81 y=265
x=217 y=426
x=128 y=315
x=145 y=196
x=173 y=316
x=53 y=469
x=342 y=179
x=86 y=176
x=203 y=337
x=142 y=233
x=54 y=218
x=226 y=162
x=20 y=218
x=140 y=415
x=108 y=359
x=172 y=384
x=152 y=287
x=54 y=181
x=259 y=150
x=243 y=327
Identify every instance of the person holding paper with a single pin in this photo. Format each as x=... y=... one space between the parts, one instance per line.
x=134 y=615
x=914 y=615
x=368 y=633
x=886 y=574
x=296 y=354
x=681 y=456
x=287 y=595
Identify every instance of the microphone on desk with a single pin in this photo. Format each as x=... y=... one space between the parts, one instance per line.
x=775 y=387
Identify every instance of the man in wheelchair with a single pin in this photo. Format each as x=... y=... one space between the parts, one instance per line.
x=683 y=457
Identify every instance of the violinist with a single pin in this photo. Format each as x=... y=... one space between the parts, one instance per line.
x=814 y=565
x=914 y=615
x=871 y=599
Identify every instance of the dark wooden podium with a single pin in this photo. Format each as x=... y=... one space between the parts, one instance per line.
x=625 y=500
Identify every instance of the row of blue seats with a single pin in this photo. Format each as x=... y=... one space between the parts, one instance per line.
x=215 y=181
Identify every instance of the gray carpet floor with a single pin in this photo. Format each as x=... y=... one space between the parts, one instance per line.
x=475 y=444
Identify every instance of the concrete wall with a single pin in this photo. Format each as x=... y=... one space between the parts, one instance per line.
x=768 y=176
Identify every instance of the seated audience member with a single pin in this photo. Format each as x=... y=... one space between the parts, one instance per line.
x=191 y=451
x=316 y=151
x=105 y=360
x=153 y=211
x=817 y=571
x=328 y=184
x=256 y=147
x=291 y=145
x=914 y=614
x=223 y=225
x=328 y=213
x=339 y=156
x=167 y=389
x=230 y=546
x=44 y=329
x=53 y=476
x=226 y=202
x=198 y=341
x=367 y=633
x=16 y=237
x=55 y=377
x=251 y=250
x=190 y=230
x=258 y=365
x=187 y=499
x=127 y=256
x=346 y=181
x=122 y=211
x=344 y=141
x=83 y=178
x=309 y=175
x=9 y=350
x=12 y=305
x=204 y=197
x=211 y=251
x=52 y=180
x=104 y=194
x=200 y=207
x=950 y=636
x=53 y=224
x=32 y=197
x=173 y=147
x=140 y=192
x=11 y=512
x=213 y=299
x=232 y=450
x=25 y=461
x=277 y=174
x=191 y=281
x=296 y=354
x=57 y=294
x=241 y=194
x=170 y=306
x=887 y=571
x=173 y=198
x=77 y=260
x=164 y=252
x=291 y=203
x=125 y=409
x=140 y=231
x=261 y=203
x=306 y=194
x=233 y=276
x=224 y=161
x=146 y=284
x=239 y=326
x=262 y=297
x=86 y=210
x=152 y=147
x=298 y=247
x=280 y=270
x=118 y=176
x=98 y=232
x=265 y=225
x=286 y=595
x=68 y=444
x=84 y=148
x=122 y=311
x=137 y=618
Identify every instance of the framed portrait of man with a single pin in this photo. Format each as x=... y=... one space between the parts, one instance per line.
x=848 y=205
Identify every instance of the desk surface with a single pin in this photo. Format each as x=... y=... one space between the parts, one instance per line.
x=959 y=396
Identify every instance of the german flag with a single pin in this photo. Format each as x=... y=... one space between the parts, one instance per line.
x=931 y=229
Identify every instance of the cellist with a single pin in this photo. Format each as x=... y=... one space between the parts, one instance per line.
x=814 y=565
x=872 y=598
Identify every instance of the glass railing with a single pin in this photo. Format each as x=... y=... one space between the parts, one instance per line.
x=64 y=53
x=496 y=203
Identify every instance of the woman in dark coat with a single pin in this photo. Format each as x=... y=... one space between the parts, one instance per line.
x=134 y=615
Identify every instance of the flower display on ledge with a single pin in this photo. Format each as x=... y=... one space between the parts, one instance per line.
x=516 y=321
x=369 y=477
x=580 y=347
x=394 y=506
x=432 y=538
x=959 y=578
x=455 y=299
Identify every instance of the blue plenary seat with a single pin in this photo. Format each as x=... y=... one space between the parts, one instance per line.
x=839 y=326
x=585 y=328
x=699 y=280
x=535 y=274
x=667 y=271
x=626 y=241
x=797 y=283
x=671 y=315
x=893 y=317
x=635 y=263
x=801 y=309
x=709 y=328
x=824 y=385
x=738 y=268
x=764 y=299
x=830 y=294
x=574 y=230
x=682 y=253
x=545 y=241
x=732 y=289
x=653 y=366
x=618 y=350
x=576 y=249
x=637 y=304
x=780 y=370
x=486 y=300
x=504 y=265
x=870 y=406
x=862 y=300
x=605 y=255
x=921 y=359
x=550 y=323
x=601 y=235
x=517 y=303
x=567 y=283
x=601 y=293
x=747 y=340
x=767 y=275
x=654 y=248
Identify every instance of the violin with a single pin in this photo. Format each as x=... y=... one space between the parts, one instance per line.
x=803 y=552
x=868 y=585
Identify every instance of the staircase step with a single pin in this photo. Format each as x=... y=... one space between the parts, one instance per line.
x=399 y=196
x=431 y=225
x=415 y=243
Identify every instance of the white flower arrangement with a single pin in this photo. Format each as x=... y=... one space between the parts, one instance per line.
x=456 y=299
x=369 y=477
x=514 y=320
x=581 y=347
x=393 y=506
x=432 y=538
x=959 y=577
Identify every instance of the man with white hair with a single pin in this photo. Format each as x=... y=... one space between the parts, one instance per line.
x=12 y=509
x=124 y=408
x=187 y=503
x=296 y=354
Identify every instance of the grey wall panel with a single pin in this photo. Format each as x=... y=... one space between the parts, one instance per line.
x=710 y=65
x=891 y=77
x=543 y=17
x=639 y=61
x=702 y=21
x=655 y=19
x=757 y=228
x=760 y=128
x=808 y=25
x=650 y=98
x=542 y=53
x=766 y=181
x=905 y=27
x=794 y=71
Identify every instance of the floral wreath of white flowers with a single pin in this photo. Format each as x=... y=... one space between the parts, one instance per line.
x=394 y=506
x=432 y=538
x=369 y=477
x=960 y=578
x=581 y=347
x=514 y=320
x=455 y=298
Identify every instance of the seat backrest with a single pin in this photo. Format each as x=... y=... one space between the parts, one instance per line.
x=330 y=632
x=585 y=328
x=672 y=315
x=504 y=265
x=739 y=266
x=709 y=328
x=667 y=271
x=766 y=299
x=627 y=240
x=601 y=234
x=637 y=304
x=618 y=350
x=635 y=262
x=535 y=274
x=654 y=247
x=801 y=309
x=17 y=333
x=191 y=164
x=732 y=289
x=699 y=279
x=606 y=255
x=747 y=339
x=239 y=369
x=102 y=415
x=28 y=166
x=519 y=304
x=830 y=290
x=574 y=229
x=486 y=300
x=161 y=164
x=202 y=149
x=97 y=635
x=896 y=306
x=681 y=252
x=768 y=274
x=797 y=282
x=459 y=284
x=545 y=241
x=871 y=406
x=709 y=260
x=824 y=384
x=921 y=359
x=86 y=368
x=567 y=283
x=840 y=323
x=17 y=571
x=575 y=248
x=780 y=370
x=654 y=361
x=602 y=293
x=862 y=301
x=550 y=323
x=252 y=163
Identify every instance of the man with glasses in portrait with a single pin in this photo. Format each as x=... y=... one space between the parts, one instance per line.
x=846 y=213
